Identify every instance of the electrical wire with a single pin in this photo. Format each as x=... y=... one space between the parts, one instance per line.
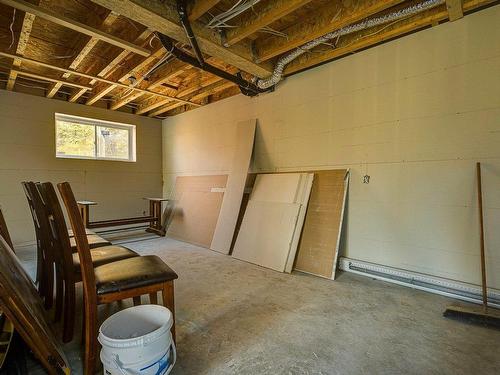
x=268 y=30
x=220 y=21
x=12 y=30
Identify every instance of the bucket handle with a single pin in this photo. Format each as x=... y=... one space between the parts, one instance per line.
x=124 y=371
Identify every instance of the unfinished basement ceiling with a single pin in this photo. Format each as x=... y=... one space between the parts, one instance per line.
x=105 y=52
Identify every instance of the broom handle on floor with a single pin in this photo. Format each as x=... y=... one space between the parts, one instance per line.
x=481 y=234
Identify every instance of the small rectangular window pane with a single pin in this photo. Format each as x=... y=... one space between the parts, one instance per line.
x=87 y=138
x=74 y=139
x=113 y=143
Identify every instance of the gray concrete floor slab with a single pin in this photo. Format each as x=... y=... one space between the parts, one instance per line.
x=238 y=318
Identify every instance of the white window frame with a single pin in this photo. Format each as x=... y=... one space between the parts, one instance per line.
x=96 y=123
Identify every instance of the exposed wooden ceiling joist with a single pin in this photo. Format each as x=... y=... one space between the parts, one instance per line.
x=73 y=98
x=331 y=17
x=21 y=47
x=200 y=94
x=162 y=16
x=200 y=7
x=103 y=89
x=83 y=52
x=43 y=77
x=366 y=38
x=455 y=10
x=125 y=99
x=74 y=25
x=253 y=23
x=113 y=64
x=89 y=76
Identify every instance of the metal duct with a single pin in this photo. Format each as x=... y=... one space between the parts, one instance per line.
x=394 y=16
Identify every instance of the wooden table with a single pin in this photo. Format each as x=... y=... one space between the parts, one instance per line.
x=154 y=218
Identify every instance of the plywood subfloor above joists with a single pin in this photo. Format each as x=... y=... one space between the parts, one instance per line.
x=113 y=40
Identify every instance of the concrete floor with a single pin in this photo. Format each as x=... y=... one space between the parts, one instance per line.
x=238 y=318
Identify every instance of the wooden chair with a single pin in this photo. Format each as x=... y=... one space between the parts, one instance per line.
x=115 y=281
x=22 y=305
x=45 y=258
x=68 y=270
x=4 y=232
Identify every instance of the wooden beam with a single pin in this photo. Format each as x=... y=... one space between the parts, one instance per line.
x=367 y=38
x=200 y=7
x=208 y=87
x=252 y=23
x=455 y=10
x=84 y=51
x=114 y=64
x=102 y=90
x=50 y=79
x=162 y=16
x=330 y=17
x=75 y=25
x=126 y=99
x=199 y=95
x=53 y=89
x=73 y=98
x=153 y=103
x=89 y=76
x=166 y=73
x=21 y=46
x=99 y=94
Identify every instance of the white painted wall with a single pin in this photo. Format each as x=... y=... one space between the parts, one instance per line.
x=415 y=114
x=27 y=152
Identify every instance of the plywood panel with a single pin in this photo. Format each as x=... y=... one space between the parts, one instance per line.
x=282 y=187
x=228 y=217
x=266 y=232
x=273 y=220
x=198 y=203
x=318 y=248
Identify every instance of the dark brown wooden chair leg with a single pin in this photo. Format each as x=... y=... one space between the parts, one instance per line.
x=69 y=313
x=168 y=301
x=49 y=284
x=91 y=343
x=137 y=300
x=153 y=298
x=59 y=297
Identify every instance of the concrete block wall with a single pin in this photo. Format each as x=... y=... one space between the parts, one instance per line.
x=27 y=152
x=415 y=114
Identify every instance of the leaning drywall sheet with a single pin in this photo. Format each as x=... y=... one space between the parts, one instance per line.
x=318 y=249
x=303 y=197
x=271 y=222
x=228 y=216
x=198 y=201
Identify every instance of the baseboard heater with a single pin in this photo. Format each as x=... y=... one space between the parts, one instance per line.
x=446 y=287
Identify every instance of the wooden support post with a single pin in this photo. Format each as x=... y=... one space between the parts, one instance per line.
x=455 y=9
x=481 y=235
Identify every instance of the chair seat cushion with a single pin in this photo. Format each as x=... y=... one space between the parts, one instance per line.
x=94 y=242
x=105 y=255
x=132 y=273
x=87 y=231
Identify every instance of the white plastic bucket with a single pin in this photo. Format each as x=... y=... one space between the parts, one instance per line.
x=137 y=341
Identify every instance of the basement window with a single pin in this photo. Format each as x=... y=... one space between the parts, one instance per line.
x=87 y=138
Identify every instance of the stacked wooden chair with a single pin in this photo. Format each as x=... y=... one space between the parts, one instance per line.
x=109 y=273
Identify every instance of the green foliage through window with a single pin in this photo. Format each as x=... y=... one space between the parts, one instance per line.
x=94 y=139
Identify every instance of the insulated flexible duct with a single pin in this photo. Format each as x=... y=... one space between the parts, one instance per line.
x=394 y=16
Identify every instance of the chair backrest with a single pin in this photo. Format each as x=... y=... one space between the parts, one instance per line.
x=82 y=244
x=58 y=228
x=36 y=224
x=39 y=214
x=4 y=231
x=22 y=305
